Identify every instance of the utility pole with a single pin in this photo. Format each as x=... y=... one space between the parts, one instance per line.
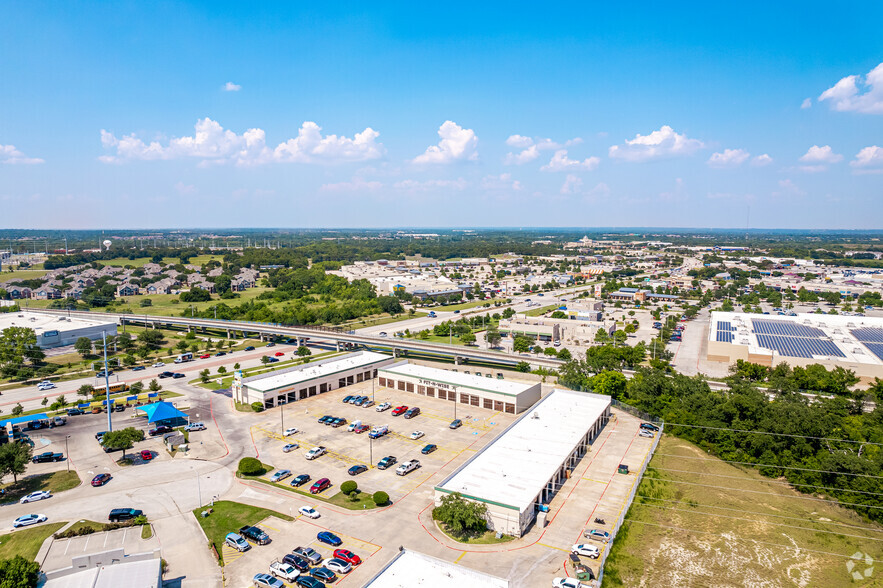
x=107 y=382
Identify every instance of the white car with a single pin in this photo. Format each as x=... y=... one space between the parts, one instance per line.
x=647 y=434
x=352 y=426
x=586 y=549
x=35 y=496
x=315 y=452
x=283 y=570
x=568 y=583
x=194 y=427
x=45 y=386
x=309 y=511
x=290 y=431
x=416 y=434
x=338 y=566
x=31 y=519
x=290 y=447
x=383 y=406
x=158 y=364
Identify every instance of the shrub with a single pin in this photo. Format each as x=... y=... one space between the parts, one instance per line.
x=349 y=487
x=380 y=498
x=250 y=466
x=257 y=406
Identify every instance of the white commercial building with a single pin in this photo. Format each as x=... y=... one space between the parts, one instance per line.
x=523 y=468
x=304 y=381
x=55 y=330
x=468 y=389
x=410 y=568
x=109 y=569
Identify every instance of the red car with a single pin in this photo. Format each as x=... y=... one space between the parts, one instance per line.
x=361 y=429
x=206 y=356
x=347 y=556
x=320 y=485
x=101 y=480
x=399 y=410
x=146 y=455
x=278 y=354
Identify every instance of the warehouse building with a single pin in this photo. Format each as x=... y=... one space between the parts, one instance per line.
x=410 y=568
x=472 y=390
x=523 y=468
x=55 y=330
x=303 y=381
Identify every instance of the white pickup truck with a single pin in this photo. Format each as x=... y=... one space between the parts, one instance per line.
x=407 y=467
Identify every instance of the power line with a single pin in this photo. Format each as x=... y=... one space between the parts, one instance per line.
x=775 y=482
x=742 y=510
x=774 y=434
x=730 y=537
x=840 y=502
x=767 y=465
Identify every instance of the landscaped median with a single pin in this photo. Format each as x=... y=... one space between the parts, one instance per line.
x=225 y=516
x=27 y=542
x=53 y=482
x=354 y=500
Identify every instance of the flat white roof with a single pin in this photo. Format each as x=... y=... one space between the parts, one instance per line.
x=132 y=574
x=506 y=387
x=410 y=569
x=41 y=323
x=518 y=464
x=311 y=371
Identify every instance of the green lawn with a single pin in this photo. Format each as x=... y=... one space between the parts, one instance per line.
x=463 y=305
x=24 y=274
x=228 y=517
x=486 y=538
x=55 y=482
x=365 y=500
x=227 y=379
x=27 y=542
x=542 y=310
x=170 y=304
x=382 y=319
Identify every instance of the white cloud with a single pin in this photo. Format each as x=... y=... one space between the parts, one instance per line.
x=12 y=156
x=807 y=103
x=817 y=158
x=572 y=184
x=531 y=148
x=869 y=160
x=456 y=144
x=418 y=186
x=355 y=185
x=761 y=160
x=211 y=143
x=231 y=87
x=524 y=156
x=185 y=189
x=662 y=143
x=789 y=188
x=519 y=141
x=846 y=96
x=560 y=162
x=500 y=182
x=728 y=158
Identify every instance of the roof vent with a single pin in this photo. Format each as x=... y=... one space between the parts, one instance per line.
x=535 y=415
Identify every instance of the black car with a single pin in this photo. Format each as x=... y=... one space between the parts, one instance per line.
x=177 y=375
x=254 y=535
x=272 y=359
x=139 y=368
x=357 y=469
x=74 y=412
x=308 y=582
x=346 y=399
x=159 y=430
x=271 y=344
x=301 y=480
x=249 y=348
x=323 y=574
x=412 y=412
x=102 y=374
x=649 y=427
x=119 y=408
x=166 y=375
x=298 y=561
x=47 y=457
x=220 y=354
x=123 y=514
x=325 y=419
x=429 y=449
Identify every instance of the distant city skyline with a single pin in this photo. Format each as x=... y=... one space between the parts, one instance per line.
x=352 y=115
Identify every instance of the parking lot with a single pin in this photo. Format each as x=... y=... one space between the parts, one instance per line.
x=346 y=449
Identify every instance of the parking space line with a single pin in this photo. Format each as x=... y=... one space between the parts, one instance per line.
x=272 y=528
x=459 y=557
x=553 y=547
x=593 y=480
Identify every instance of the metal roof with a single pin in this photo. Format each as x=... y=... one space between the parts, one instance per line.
x=410 y=568
x=459 y=379
x=312 y=371
x=25 y=419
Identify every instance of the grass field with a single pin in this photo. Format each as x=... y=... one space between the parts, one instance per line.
x=541 y=310
x=382 y=319
x=140 y=261
x=749 y=531
x=54 y=483
x=27 y=542
x=462 y=306
x=228 y=517
x=365 y=499
x=25 y=274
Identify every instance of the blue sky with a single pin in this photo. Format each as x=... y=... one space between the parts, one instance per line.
x=165 y=114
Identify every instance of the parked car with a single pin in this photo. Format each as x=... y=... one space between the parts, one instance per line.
x=178 y=375
x=649 y=427
x=383 y=406
x=399 y=410
x=429 y=449
x=320 y=485
x=361 y=429
x=412 y=412
x=267 y=581
x=161 y=430
x=309 y=511
x=280 y=475
x=338 y=566
x=386 y=462
x=195 y=427
x=338 y=422
x=308 y=582
x=290 y=447
x=47 y=456
x=271 y=344
x=353 y=425
x=647 y=434
x=456 y=424
x=587 y=550
x=249 y=348
x=123 y=514
x=416 y=435
x=283 y=570
x=323 y=574
x=357 y=469
x=596 y=535
x=100 y=480
x=289 y=431
x=329 y=538
x=568 y=583
x=324 y=419
x=139 y=368
x=74 y=412
x=367 y=403
x=300 y=480
x=237 y=542
x=407 y=467
x=346 y=399
x=254 y=534
x=378 y=432
x=298 y=561
x=315 y=452
x=146 y=454
x=310 y=554
x=347 y=556
x=158 y=364
x=35 y=496
x=27 y=520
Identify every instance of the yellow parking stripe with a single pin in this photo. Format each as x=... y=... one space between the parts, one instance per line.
x=460 y=557
x=553 y=547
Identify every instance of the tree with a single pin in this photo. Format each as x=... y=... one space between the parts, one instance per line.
x=222 y=370
x=18 y=344
x=151 y=339
x=601 y=336
x=558 y=314
x=83 y=345
x=610 y=383
x=196 y=294
x=461 y=516
x=251 y=466
x=124 y=341
x=551 y=352
x=522 y=367
x=304 y=351
x=349 y=487
x=14 y=458
x=467 y=338
x=265 y=359
x=521 y=344
x=145 y=302
x=18 y=572
x=565 y=355
x=154 y=386
x=61 y=401
x=122 y=439
x=85 y=390
x=45 y=401
x=181 y=345
x=380 y=498
x=136 y=388
x=203 y=375
x=17 y=409
x=129 y=359
x=508 y=313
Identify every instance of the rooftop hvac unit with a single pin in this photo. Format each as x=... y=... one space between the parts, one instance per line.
x=535 y=415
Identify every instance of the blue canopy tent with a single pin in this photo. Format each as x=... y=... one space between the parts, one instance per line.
x=162 y=412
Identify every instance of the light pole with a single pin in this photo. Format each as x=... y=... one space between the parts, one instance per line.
x=107 y=381
x=67 y=453
x=282 y=416
x=370 y=449
x=198 y=489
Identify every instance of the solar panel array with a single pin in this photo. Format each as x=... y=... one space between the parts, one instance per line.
x=725 y=326
x=871 y=338
x=768 y=327
x=799 y=346
x=875 y=348
x=725 y=336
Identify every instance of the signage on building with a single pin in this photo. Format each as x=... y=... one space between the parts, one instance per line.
x=440 y=385
x=50 y=333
